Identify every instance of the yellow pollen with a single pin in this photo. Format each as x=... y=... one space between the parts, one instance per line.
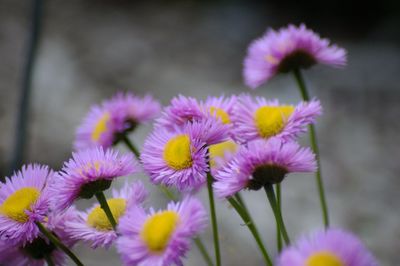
x=221 y=114
x=219 y=150
x=177 y=152
x=158 y=228
x=270 y=120
x=16 y=204
x=271 y=59
x=324 y=258
x=101 y=126
x=97 y=218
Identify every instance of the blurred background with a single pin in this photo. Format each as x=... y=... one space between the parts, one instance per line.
x=89 y=49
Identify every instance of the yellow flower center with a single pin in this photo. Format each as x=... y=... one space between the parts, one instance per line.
x=16 y=204
x=177 y=152
x=324 y=258
x=270 y=120
x=97 y=218
x=221 y=114
x=158 y=228
x=219 y=150
x=101 y=126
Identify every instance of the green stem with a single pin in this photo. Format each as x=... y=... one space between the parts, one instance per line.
x=278 y=228
x=130 y=145
x=315 y=148
x=167 y=193
x=48 y=260
x=242 y=213
x=58 y=243
x=203 y=251
x=104 y=205
x=269 y=189
x=213 y=219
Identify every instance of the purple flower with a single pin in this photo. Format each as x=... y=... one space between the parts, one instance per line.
x=160 y=238
x=24 y=200
x=180 y=158
x=88 y=172
x=93 y=225
x=262 y=162
x=286 y=50
x=119 y=115
x=259 y=118
x=33 y=252
x=331 y=247
x=181 y=110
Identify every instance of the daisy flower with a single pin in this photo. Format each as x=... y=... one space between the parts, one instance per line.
x=119 y=115
x=286 y=50
x=331 y=247
x=89 y=172
x=221 y=153
x=34 y=252
x=262 y=162
x=259 y=118
x=93 y=226
x=160 y=238
x=181 y=110
x=220 y=107
x=180 y=158
x=24 y=200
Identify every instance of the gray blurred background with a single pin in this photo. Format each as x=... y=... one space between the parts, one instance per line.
x=90 y=49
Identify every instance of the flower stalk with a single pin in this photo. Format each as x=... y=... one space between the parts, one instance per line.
x=104 y=205
x=213 y=219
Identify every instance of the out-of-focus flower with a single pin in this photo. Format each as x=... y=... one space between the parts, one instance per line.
x=331 y=247
x=89 y=172
x=160 y=238
x=286 y=50
x=93 y=226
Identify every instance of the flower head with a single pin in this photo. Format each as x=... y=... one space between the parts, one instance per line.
x=24 y=200
x=286 y=50
x=260 y=163
x=93 y=225
x=180 y=158
x=34 y=252
x=119 y=115
x=262 y=119
x=162 y=237
x=331 y=247
x=181 y=110
x=88 y=172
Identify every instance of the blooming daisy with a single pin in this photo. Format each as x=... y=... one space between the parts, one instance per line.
x=119 y=115
x=160 y=238
x=331 y=247
x=24 y=200
x=35 y=251
x=89 y=172
x=220 y=107
x=179 y=158
x=260 y=118
x=262 y=162
x=181 y=110
x=93 y=225
x=221 y=153
x=286 y=50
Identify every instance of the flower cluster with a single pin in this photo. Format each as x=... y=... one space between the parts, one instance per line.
x=231 y=143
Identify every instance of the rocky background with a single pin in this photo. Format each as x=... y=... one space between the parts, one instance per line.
x=91 y=49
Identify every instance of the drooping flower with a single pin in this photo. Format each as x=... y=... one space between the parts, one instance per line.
x=162 y=237
x=260 y=163
x=34 y=252
x=180 y=158
x=262 y=119
x=24 y=200
x=104 y=124
x=181 y=110
x=89 y=172
x=286 y=50
x=331 y=247
x=93 y=226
